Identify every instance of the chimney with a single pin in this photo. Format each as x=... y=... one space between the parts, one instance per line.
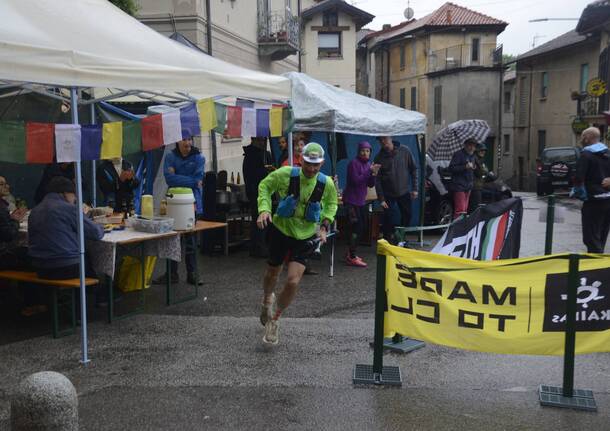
x=449 y=16
x=386 y=26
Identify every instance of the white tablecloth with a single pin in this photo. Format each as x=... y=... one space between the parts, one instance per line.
x=103 y=253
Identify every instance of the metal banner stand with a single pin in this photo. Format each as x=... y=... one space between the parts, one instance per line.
x=566 y=396
x=378 y=374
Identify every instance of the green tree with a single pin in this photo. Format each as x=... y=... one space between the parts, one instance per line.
x=507 y=58
x=128 y=6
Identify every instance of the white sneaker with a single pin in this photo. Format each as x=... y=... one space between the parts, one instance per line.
x=272 y=332
x=267 y=310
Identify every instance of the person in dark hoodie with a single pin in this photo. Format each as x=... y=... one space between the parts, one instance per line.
x=360 y=175
x=462 y=166
x=52 y=232
x=256 y=165
x=51 y=171
x=592 y=185
x=117 y=181
x=396 y=184
x=183 y=167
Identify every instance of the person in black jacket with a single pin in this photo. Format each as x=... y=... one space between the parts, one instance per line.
x=51 y=171
x=256 y=165
x=462 y=168
x=117 y=181
x=396 y=184
x=593 y=174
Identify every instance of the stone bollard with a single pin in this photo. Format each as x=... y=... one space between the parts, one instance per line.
x=45 y=401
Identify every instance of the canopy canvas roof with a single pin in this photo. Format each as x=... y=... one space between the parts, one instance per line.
x=91 y=43
x=321 y=107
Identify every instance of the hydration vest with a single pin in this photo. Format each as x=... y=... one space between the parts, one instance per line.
x=288 y=205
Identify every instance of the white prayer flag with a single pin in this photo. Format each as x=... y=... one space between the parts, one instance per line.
x=172 y=127
x=67 y=142
x=248 y=122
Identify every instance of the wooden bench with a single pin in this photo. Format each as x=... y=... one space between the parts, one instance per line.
x=57 y=285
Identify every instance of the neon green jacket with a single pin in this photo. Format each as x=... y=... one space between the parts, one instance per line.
x=296 y=226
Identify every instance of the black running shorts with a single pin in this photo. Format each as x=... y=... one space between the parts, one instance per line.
x=285 y=248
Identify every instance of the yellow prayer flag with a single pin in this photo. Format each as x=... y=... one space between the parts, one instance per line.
x=112 y=140
x=275 y=122
x=207 y=114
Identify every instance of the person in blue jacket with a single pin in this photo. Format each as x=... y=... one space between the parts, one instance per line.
x=183 y=167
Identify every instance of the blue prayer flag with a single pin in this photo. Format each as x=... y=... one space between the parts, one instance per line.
x=91 y=141
x=189 y=117
x=262 y=122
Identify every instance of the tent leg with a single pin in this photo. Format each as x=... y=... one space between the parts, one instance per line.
x=81 y=238
x=93 y=178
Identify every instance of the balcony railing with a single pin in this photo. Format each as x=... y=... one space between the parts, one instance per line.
x=589 y=106
x=278 y=33
x=459 y=56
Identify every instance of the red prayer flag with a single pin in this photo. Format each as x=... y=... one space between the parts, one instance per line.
x=233 y=122
x=152 y=132
x=39 y=139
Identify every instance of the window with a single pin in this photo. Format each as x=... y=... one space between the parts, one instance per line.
x=438 y=94
x=584 y=77
x=541 y=141
x=507 y=104
x=475 y=50
x=329 y=44
x=544 y=85
x=402 y=57
x=403 y=102
x=413 y=98
x=506 y=144
x=330 y=19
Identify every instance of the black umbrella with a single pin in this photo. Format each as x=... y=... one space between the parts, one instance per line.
x=451 y=139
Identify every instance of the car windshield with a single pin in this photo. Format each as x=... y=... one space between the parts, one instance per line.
x=559 y=155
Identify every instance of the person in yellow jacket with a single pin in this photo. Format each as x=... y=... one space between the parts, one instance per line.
x=308 y=198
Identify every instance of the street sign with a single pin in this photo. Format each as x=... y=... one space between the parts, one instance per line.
x=579 y=125
x=596 y=87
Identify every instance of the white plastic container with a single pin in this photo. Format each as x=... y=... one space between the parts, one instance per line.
x=180 y=207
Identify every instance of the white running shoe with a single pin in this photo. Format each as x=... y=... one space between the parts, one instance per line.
x=272 y=332
x=267 y=310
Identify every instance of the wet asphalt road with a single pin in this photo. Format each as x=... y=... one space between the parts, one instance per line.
x=201 y=365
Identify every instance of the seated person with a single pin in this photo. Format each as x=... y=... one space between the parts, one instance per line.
x=117 y=181
x=51 y=171
x=9 y=229
x=53 y=232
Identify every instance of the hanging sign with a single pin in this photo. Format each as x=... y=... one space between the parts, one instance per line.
x=596 y=87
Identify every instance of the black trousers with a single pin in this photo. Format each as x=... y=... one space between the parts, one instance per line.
x=357 y=217
x=398 y=213
x=595 y=224
x=190 y=250
x=475 y=200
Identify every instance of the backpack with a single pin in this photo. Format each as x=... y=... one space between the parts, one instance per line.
x=288 y=205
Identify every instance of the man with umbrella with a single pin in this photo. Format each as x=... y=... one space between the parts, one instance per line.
x=462 y=168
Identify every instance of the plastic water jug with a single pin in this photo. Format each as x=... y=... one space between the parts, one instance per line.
x=180 y=207
x=147 y=207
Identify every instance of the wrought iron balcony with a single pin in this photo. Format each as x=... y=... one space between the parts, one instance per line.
x=459 y=56
x=278 y=33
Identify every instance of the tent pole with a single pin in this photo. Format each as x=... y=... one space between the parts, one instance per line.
x=422 y=187
x=81 y=237
x=94 y=185
x=290 y=148
x=333 y=171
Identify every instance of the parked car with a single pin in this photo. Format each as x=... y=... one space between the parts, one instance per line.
x=439 y=203
x=555 y=169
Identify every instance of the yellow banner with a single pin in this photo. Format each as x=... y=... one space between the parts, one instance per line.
x=112 y=140
x=207 y=114
x=275 y=122
x=515 y=306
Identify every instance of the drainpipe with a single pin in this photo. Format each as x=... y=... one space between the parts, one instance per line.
x=387 y=50
x=300 y=31
x=500 y=110
x=529 y=121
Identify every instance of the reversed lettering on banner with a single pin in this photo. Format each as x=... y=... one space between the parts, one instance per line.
x=512 y=306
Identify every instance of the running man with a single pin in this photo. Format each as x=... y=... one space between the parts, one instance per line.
x=307 y=198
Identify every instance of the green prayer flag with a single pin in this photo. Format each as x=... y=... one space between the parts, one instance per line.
x=132 y=137
x=221 y=118
x=12 y=141
x=288 y=119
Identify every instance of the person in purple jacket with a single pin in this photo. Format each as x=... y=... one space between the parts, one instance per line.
x=360 y=175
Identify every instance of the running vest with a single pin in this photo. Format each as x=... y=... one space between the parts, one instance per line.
x=288 y=205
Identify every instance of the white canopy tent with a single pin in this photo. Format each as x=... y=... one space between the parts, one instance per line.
x=93 y=44
x=321 y=107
